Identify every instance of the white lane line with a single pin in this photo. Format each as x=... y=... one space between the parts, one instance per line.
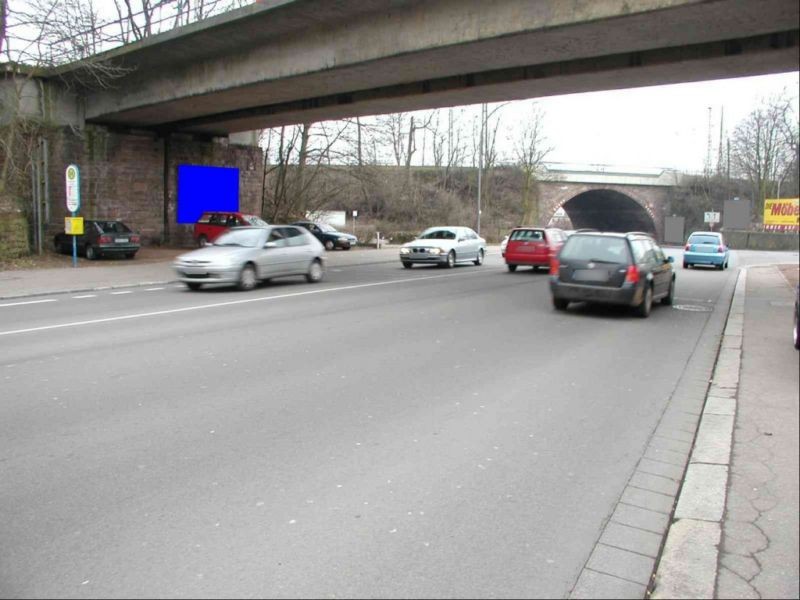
x=153 y=289
x=118 y=293
x=85 y=296
x=29 y=302
x=231 y=303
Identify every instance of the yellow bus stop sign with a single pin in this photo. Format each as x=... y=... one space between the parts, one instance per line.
x=73 y=225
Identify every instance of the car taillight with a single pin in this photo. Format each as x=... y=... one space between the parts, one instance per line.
x=134 y=239
x=554 y=265
x=720 y=249
x=688 y=247
x=632 y=275
x=104 y=239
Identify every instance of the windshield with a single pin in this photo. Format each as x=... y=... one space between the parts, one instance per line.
x=437 y=234
x=596 y=248
x=326 y=228
x=704 y=239
x=255 y=221
x=247 y=238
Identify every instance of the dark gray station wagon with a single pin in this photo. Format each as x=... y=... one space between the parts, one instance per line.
x=627 y=269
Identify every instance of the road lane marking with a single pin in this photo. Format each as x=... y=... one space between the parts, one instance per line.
x=230 y=303
x=29 y=302
x=153 y=289
x=118 y=293
x=85 y=296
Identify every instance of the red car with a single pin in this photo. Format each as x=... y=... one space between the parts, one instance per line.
x=213 y=223
x=533 y=247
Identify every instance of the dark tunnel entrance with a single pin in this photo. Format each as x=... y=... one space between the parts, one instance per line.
x=607 y=210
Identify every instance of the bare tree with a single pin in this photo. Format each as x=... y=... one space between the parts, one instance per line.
x=764 y=148
x=530 y=150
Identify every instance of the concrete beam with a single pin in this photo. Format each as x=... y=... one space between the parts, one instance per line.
x=291 y=61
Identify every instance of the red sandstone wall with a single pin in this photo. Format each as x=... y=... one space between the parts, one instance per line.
x=122 y=176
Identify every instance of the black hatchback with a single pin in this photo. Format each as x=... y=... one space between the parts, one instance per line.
x=101 y=238
x=627 y=269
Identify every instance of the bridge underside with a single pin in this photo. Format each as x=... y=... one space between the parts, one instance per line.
x=607 y=210
x=281 y=62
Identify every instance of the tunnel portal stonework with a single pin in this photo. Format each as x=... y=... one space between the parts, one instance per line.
x=654 y=200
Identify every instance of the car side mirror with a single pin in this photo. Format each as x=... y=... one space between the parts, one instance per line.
x=461 y=239
x=270 y=245
x=670 y=259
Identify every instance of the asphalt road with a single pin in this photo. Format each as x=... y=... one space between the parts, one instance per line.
x=387 y=433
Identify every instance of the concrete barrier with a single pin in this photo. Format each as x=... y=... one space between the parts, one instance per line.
x=762 y=240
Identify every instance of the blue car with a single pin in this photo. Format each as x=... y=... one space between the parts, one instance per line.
x=705 y=248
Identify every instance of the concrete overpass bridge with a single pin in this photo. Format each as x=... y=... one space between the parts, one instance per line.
x=280 y=62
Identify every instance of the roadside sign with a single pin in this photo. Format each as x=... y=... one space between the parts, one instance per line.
x=73 y=188
x=711 y=217
x=783 y=211
x=73 y=225
x=355 y=213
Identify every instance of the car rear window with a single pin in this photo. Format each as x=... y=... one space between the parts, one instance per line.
x=703 y=239
x=526 y=235
x=597 y=248
x=113 y=227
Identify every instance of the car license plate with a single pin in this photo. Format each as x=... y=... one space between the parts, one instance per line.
x=590 y=275
x=121 y=240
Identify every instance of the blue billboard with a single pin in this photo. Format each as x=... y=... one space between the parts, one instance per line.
x=202 y=188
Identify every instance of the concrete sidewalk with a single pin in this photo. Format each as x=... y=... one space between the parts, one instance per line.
x=734 y=532
x=151 y=268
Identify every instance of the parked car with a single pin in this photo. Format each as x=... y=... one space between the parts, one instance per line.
x=212 y=224
x=627 y=269
x=444 y=246
x=101 y=238
x=246 y=255
x=329 y=236
x=705 y=248
x=533 y=247
x=796 y=331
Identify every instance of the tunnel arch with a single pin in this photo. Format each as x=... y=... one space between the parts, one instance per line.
x=609 y=210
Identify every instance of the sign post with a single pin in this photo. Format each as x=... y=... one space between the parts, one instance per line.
x=73 y=180
x=355 y=214
x=711 y=218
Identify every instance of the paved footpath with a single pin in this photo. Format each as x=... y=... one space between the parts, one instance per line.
x=734 y=533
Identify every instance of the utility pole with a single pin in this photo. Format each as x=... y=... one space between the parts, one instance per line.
x=480 y=162
x=707 y=168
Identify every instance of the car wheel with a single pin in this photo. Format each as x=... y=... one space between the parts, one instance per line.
x=451 y=259
x=512 y=268
x=91 y=253
x=407 y=264
x=719 y=267
x=247 y=278
x=686 y=265
x=314 y=272
x=193 y=286
x=328 y=245
x=643 y=310
x=560 y=303
x=796 y=331
x=346 y=247
x=479 y=258
x=667 y=300
x=202 y=241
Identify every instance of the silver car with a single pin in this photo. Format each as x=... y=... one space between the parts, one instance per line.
x=444 y=246
x=246 y=255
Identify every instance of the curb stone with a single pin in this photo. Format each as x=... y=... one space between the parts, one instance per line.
x=690 y=560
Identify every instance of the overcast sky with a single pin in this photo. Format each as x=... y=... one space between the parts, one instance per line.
x=661 y=126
